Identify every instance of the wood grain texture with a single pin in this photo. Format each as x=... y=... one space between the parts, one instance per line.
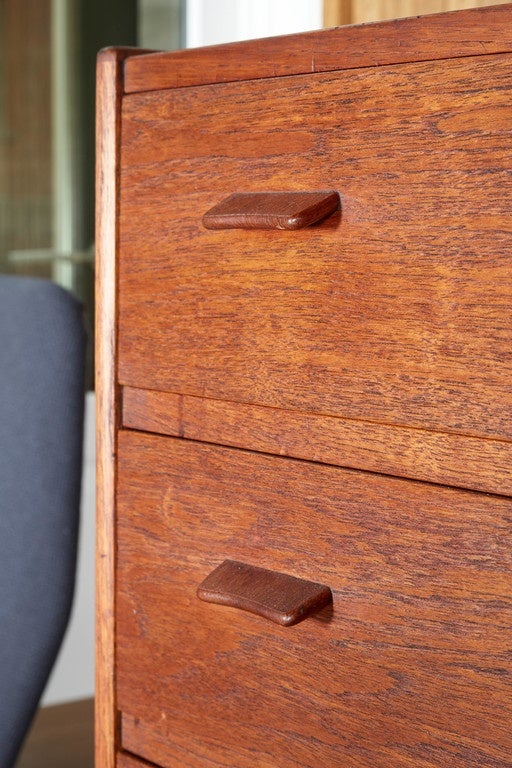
x=411 y=666
x=379 y=340
x=279 y=597
x=397 y=312
x=466 y=462
x=108 y=98
x=125 y=760
x=337 y=12
x=364 y=11
x=271 y=210
x=470 y=33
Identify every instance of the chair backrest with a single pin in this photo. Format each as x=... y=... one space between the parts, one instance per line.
x=42 y=360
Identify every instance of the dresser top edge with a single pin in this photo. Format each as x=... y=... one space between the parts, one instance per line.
x=455 y=34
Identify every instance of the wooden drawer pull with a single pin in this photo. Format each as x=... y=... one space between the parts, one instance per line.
x=284 y=599
x=271 y=210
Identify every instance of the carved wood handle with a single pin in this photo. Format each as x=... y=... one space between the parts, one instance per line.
x=284 y=599
x=272 y=210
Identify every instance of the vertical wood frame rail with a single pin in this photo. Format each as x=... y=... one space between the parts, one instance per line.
x=109 y=91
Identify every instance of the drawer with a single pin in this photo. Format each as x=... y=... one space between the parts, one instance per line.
x=127 y=761
x=395 y=310
x=411 y=665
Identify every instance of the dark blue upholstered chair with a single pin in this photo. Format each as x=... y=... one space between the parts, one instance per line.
x=42 y=356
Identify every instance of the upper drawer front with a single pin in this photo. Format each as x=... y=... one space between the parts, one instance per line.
x=410 y=667
x=397 y=310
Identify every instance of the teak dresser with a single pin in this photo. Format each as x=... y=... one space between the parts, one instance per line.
x=304 y=388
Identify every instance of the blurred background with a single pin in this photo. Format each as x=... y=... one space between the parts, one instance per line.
x=47 y=82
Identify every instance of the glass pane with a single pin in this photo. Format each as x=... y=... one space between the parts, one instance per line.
x=161 y=24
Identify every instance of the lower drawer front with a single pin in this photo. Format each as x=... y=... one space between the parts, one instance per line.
x=127 y=761
x=411 y=666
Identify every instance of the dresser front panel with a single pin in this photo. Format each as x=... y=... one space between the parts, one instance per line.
x=411 y=666
x=395 y=311
x=124 y=760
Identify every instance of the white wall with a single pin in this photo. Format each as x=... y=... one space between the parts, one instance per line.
x=73 y=675
x=222 y=21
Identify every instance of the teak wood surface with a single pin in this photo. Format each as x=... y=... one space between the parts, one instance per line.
x=109 y=87
x=396 y=311
x=417 y=642
x=108 y=96
x=378 y=340
x=124 y=760
x=459 y=460
x=475 y=32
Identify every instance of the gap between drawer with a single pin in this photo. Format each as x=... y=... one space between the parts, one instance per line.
x=449 y=459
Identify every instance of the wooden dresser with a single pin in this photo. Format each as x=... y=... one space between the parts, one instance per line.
x=311 y=392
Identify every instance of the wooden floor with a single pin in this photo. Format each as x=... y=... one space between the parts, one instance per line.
x=61 y=737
